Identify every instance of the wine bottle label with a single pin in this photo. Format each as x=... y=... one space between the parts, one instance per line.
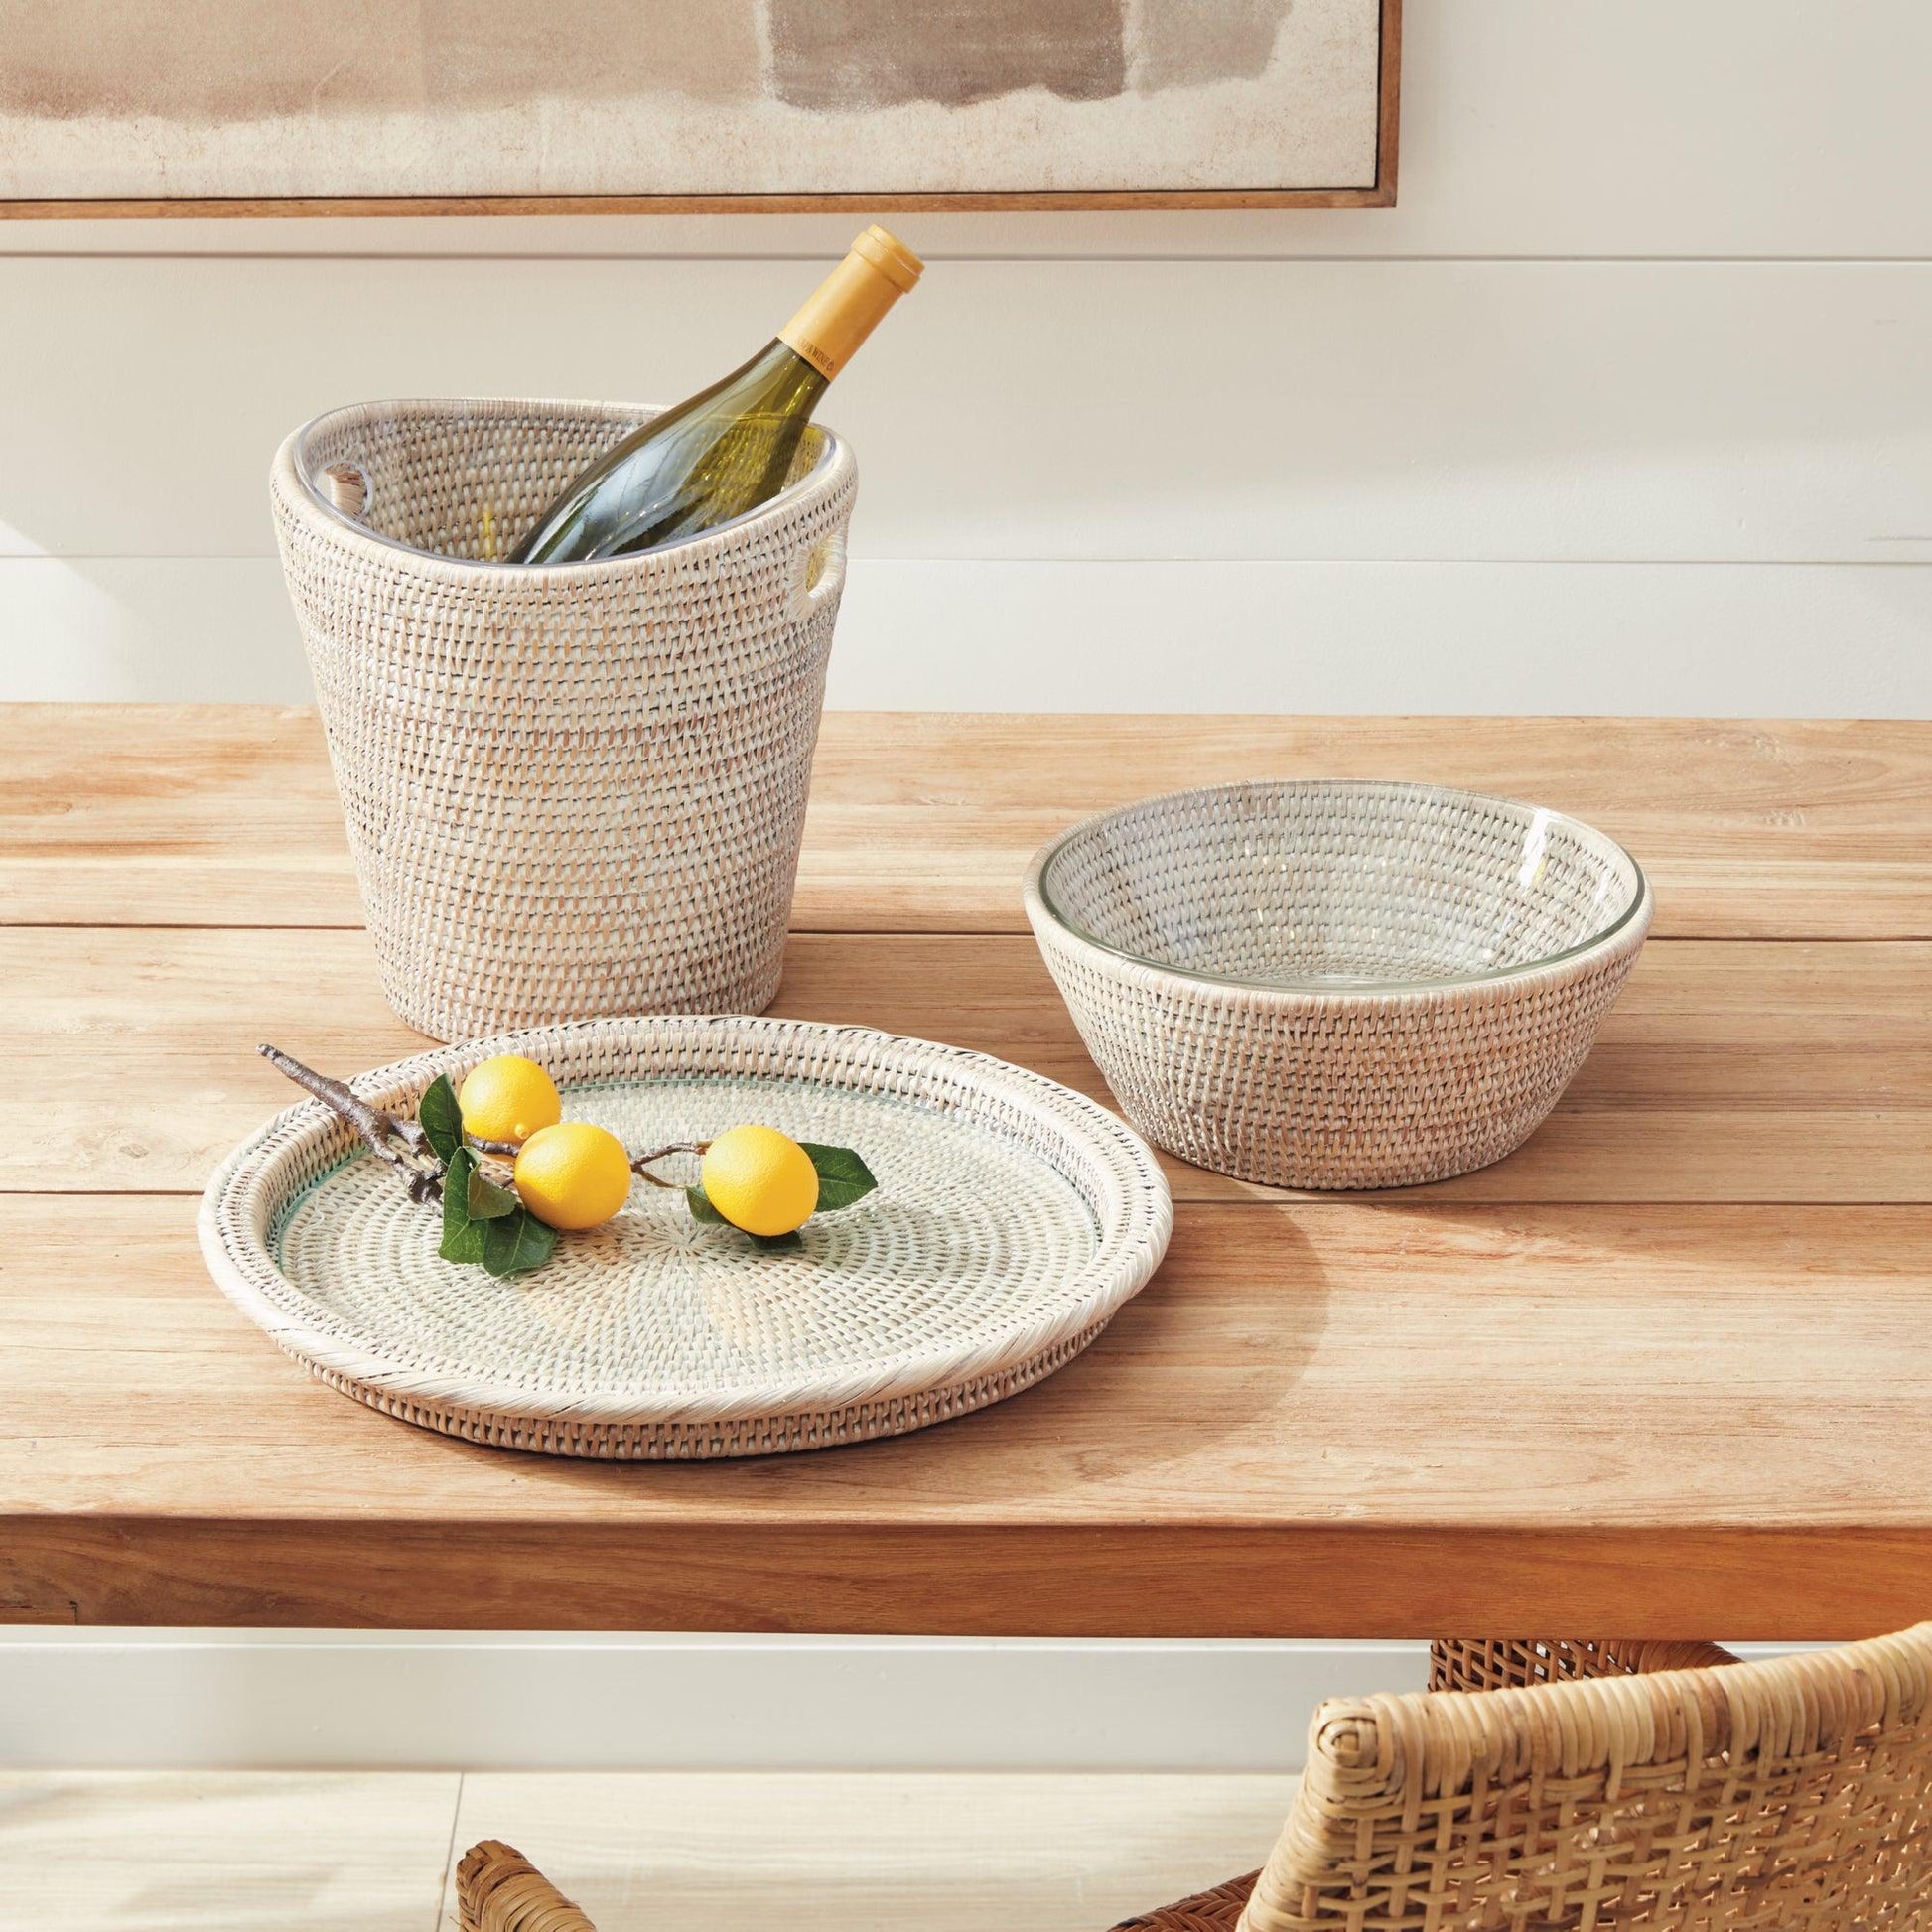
x=846 y=307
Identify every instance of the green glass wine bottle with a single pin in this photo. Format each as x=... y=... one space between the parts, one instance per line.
x=730 y=446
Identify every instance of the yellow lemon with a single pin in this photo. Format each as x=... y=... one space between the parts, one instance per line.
x=508 y=1099
x=573 y=1174
x=759 y=1180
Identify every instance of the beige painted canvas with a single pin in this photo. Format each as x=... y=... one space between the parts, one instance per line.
x=196 y=99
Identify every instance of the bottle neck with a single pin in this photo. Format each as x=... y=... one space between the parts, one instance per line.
x=839 y=314
x=786 y=384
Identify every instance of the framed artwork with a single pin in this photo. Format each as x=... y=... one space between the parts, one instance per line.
x=475 y=106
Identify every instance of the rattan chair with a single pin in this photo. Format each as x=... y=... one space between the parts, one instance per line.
x=1562 y=1787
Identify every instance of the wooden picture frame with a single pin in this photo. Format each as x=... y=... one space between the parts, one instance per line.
x=1380 y=192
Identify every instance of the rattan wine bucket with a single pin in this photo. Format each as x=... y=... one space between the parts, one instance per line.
x=571 y=790
x=1337 y=985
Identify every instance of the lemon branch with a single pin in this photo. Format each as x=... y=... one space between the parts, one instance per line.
x=770 y=1184
x=400 y=1143
x=641 y=1163
x=503 y=1150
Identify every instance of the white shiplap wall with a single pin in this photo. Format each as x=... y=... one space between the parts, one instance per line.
x=1627 y=406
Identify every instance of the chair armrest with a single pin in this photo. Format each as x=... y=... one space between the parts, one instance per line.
x=1486 y=1664
x=497 y=1890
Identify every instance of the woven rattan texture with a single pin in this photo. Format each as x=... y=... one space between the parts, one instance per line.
x=1787 y=1796
x=574 y=790
x=1011 y=1219
x=1268 y=975
x=1218 y=1910
x=1480 y=1663
x=497 y=1890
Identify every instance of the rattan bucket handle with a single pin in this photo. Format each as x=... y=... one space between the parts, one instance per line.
x=345 y=488
x=822 y=574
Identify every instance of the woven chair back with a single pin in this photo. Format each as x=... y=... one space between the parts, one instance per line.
x=1793 y=1795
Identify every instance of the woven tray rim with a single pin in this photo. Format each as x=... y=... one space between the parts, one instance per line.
x=835 y=470
x=237 y=1209
x=1627 y=934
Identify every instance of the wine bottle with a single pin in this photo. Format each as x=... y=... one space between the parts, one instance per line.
x=729 y=447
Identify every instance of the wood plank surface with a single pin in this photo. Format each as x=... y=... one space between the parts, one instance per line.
x=1665 y=1370
x=1378 y=1418
x=740 y=1852
x=225 y=815
x=294 y=1852
x=225 y=1852
x=1728 y=1072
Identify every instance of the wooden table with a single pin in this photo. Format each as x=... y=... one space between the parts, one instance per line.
x=1667 y=1371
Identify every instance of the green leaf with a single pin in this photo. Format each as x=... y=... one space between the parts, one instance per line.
x=792 y=1240
x=463 y=1244
x=516 y=1243
x=843 y=1177
x=440 y=1118
x=463 y=1238
x=486 y=1201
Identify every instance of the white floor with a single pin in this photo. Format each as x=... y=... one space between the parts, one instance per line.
x=840 y=1852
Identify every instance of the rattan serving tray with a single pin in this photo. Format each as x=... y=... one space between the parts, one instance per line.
x=1013 y=1219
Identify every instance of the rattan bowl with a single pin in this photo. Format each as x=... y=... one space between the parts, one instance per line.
x=1328 y=984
